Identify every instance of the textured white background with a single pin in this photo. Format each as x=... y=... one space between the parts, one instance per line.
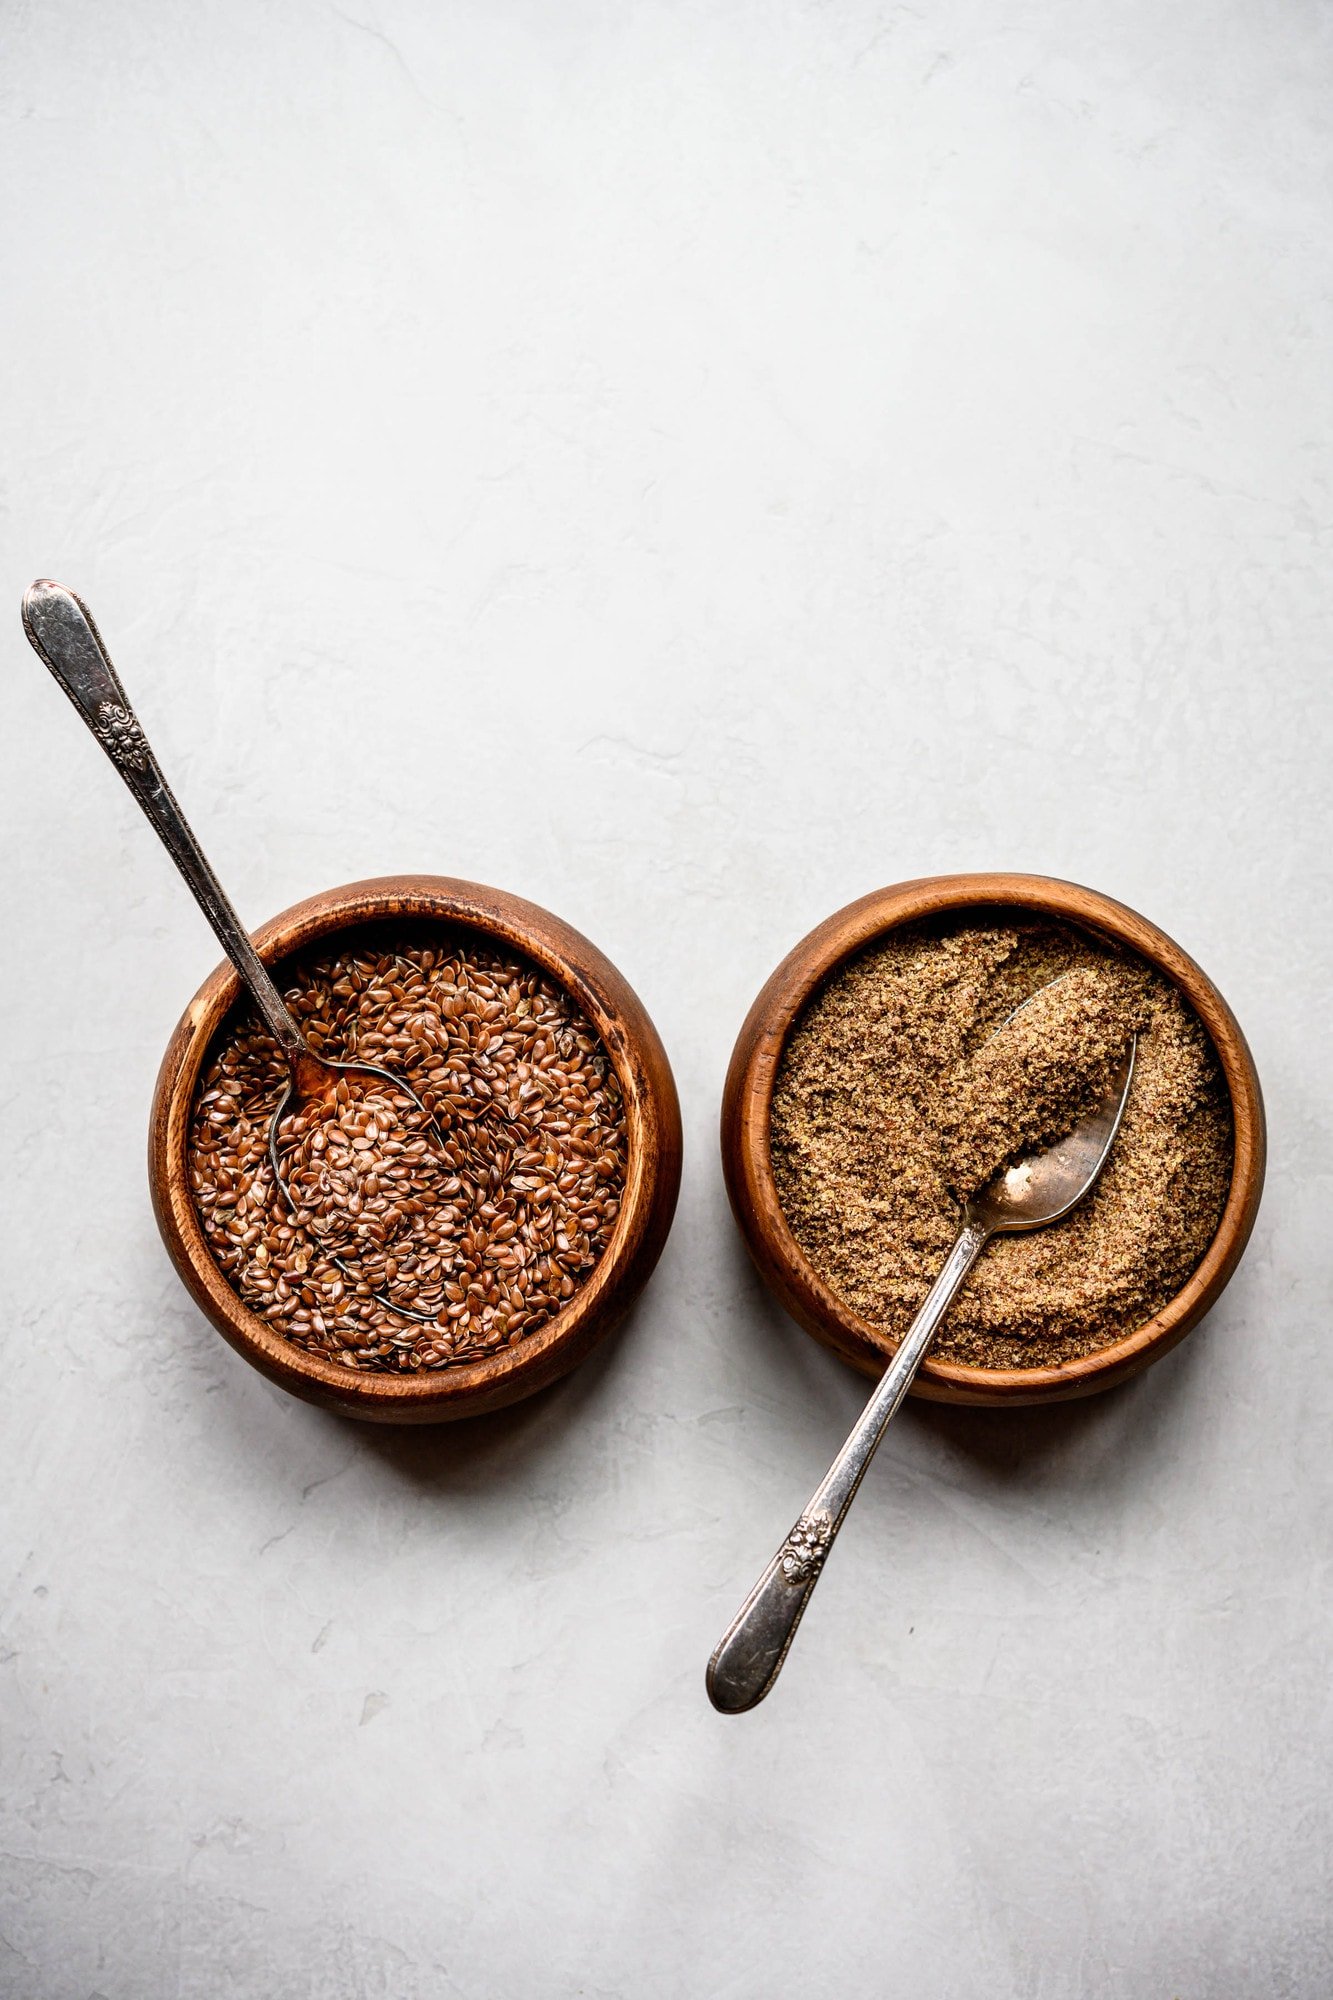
x=688 y=464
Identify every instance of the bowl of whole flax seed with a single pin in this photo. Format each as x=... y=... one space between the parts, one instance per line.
x=485 y=1268
x=866 y=1099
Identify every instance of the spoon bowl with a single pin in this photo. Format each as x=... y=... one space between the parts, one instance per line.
x=1045 y=1187
x=313 y=1080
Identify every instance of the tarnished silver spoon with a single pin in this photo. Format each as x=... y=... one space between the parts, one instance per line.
x=62 y=632
x=1040 y=1189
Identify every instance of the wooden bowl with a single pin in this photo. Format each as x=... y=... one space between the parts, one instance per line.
x=747 y=1161
x=651 y=1186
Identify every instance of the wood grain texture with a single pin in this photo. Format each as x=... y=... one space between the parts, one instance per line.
x=651 y=1186
x=747 y=1161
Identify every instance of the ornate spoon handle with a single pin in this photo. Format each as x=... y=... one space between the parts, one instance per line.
x=751 y=1651
x=63 y=635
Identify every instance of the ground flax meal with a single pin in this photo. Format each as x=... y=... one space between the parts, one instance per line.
x=892 y=1104
x=487 y=1240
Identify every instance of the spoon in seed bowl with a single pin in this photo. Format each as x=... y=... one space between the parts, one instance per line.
x=1039 y=1188
x=339 y=1128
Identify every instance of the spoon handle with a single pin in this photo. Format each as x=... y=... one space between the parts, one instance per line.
x=63 y=634
x=751 y=1651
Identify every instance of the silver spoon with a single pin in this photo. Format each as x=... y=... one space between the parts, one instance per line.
x=63 y=634
x=1040 y=1189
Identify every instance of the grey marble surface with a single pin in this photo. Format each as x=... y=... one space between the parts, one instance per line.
x=688 y=465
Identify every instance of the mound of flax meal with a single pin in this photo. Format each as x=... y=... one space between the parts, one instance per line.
x=892 y=1105
x=488 y=1239
x=1030 y=1082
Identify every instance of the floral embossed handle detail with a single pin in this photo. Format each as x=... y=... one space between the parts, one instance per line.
x=118 y=731
x=801 y=1556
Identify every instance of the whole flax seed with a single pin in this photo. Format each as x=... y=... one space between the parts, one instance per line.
x=487 y=1239
x=892 y=1104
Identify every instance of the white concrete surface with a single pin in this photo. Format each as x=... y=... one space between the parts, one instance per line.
x=783 y=449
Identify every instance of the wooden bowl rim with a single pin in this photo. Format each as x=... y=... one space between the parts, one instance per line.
x=652 y=1116
x=747 y=1106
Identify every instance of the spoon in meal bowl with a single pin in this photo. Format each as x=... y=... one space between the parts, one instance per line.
x=1038 y=1189
x=324 y=1101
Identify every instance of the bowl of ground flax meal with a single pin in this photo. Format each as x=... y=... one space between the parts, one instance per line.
x=846 y=1134
x=514 y=1250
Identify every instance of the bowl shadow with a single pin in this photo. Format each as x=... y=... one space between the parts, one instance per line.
x=484 y=1453
x=1121 y=1426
